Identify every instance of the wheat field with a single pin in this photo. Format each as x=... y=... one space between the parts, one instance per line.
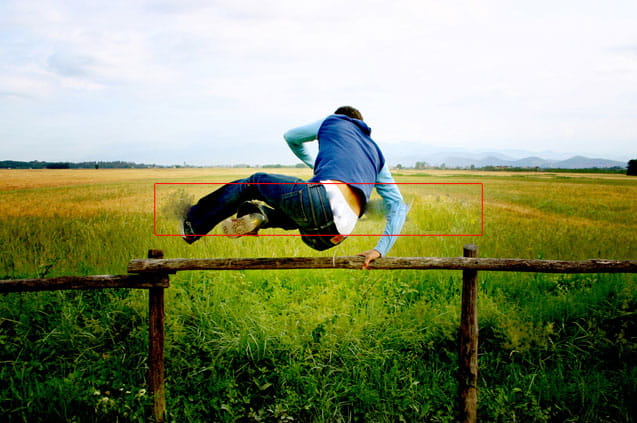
x=319 y=346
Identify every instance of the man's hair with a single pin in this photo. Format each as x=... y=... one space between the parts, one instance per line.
x=349 y=111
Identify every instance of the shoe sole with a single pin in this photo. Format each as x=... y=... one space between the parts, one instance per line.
x=188 y=238
x=244 y=225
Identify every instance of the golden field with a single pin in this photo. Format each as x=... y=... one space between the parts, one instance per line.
x=319 y=346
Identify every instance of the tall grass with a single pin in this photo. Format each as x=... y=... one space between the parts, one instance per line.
x=321 y=346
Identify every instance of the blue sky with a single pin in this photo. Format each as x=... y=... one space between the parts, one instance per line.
x=214 y=82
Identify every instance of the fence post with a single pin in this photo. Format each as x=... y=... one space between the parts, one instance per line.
x=156 y=321
x=468 y=343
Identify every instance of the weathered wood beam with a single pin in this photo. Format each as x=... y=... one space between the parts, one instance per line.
x=468 y=343
x=156 y=337
x=81 y=282
x=413 y=263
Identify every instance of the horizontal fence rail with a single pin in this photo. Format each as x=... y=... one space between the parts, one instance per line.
x=81 y=282
x=412 y=263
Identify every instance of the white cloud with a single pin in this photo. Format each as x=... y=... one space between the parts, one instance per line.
x=457 y=73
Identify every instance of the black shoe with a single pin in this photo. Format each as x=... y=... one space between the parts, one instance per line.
x=187 y=233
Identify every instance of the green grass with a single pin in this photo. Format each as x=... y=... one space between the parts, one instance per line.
x=328 y=345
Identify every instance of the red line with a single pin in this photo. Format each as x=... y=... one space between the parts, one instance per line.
x=308 y=183
x=155 y=209
x=279 y=235
x=482 y=211
x=324 y=183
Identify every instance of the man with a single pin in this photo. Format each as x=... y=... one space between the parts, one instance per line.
x=325 y=209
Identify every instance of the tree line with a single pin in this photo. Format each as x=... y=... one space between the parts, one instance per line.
x=36 y=164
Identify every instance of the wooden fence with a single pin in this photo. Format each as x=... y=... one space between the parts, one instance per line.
x=154 y=273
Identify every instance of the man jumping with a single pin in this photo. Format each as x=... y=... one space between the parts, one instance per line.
x=325 y=209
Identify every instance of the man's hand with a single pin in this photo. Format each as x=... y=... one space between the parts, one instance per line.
x=370 y=256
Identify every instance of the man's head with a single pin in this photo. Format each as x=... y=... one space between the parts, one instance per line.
x=349 y=111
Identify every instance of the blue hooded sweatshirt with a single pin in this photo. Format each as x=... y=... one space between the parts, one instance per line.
x=347 y=153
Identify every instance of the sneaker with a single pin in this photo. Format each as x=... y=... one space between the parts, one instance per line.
x=248 y=224
x=187 y=233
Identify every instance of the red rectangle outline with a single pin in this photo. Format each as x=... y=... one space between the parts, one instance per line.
x=358 y=183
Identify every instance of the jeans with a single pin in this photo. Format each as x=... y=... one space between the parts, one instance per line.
x=294 y=204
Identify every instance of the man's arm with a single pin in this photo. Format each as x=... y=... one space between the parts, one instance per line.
x=396 y=212
x=296 y=138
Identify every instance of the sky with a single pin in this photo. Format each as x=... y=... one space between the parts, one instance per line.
x=219 y=81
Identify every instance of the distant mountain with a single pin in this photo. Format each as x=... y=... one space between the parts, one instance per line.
x=579 y=162
x=395 y=154
x=576 y=162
